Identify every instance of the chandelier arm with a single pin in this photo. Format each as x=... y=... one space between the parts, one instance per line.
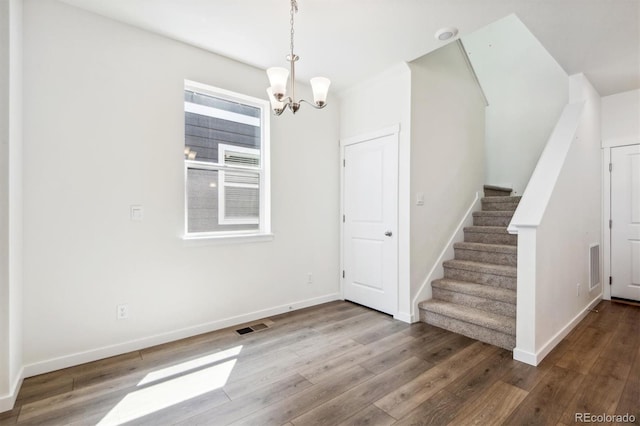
x=313 y=104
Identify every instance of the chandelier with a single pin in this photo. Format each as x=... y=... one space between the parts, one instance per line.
x=278 y=79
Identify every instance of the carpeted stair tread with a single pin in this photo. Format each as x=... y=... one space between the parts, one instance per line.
x=484 y=268
x=499 y=323
x=493 y=218
x=487 y=229
x=479 y=290
x=493 y=213
x=494 y=248
x=477 y=296
x=489 y=235
x=496 y=191
x=498 y=188
x=498 y=254
x=503 y=199
x=478 y=332
x=500 y=203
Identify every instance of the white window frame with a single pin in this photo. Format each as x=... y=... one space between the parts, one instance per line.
x=263 y=171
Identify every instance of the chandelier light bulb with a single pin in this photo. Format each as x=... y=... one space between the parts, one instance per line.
x=278 y=79
x=320 y=88
x=276 y=105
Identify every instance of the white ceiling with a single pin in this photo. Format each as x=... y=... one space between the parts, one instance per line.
x=350 y=40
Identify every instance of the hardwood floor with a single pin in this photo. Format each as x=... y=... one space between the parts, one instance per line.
x=342 y=364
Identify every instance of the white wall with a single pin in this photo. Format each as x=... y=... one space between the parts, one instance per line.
x=557 y=220
x=447 y=155
x=11 y=201
x=526 y=91
x=377 y=103
x=104 y=130
x=620 y=127
x=15 y=191
x=621 y=119
x=4 y=199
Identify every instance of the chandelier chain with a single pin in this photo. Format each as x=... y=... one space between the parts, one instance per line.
x=294 y=9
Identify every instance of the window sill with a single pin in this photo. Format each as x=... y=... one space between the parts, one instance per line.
x=198 y=240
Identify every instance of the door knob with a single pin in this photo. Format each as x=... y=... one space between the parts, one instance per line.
x=388 y=233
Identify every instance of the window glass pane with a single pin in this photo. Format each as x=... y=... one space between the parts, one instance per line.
x=241 y=203
x=210 y=121
x=241 y=197
x=211 y=101
x=204 y=196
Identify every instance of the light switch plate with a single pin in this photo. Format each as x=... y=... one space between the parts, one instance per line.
x=137 y=213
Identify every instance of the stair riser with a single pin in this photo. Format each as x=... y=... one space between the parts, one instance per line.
x=487 y=305
x=487 y=257
x=492 y=220
x=492 y=206
x=480 y=278
x=490 y=238
x=496 y=193
x=474 y=331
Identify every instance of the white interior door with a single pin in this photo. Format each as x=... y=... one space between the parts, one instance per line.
x=625 y=216
x=370 y=207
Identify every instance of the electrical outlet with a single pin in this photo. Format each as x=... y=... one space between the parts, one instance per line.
x=309 y=278
x=122 y=312
x=578 y=289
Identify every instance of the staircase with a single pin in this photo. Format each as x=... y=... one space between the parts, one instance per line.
x=477 y=296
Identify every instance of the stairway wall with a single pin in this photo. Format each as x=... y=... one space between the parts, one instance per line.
x=447 y=153
x=526 y=91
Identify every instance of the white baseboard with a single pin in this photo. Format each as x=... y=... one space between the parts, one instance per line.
x=536 y=358
x=553 y=342
x=437 y=270
x=404 y=317
x=145 y=342
x=8 y=401
x=524 y=356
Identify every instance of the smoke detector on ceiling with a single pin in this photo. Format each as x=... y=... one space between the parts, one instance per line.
x=446 y=33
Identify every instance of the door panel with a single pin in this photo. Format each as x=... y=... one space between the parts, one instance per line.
x=368 y=256
x=370 y=205
x=625 y=216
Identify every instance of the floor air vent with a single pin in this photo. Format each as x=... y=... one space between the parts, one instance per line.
x=252 y=328
x=594 y=265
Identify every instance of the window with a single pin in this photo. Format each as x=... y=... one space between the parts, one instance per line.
x=226 y=163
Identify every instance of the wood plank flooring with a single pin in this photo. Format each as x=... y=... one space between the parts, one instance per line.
x=342 y=364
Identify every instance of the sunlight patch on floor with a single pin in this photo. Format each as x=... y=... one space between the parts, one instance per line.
x=182 y=387
x=174 y=370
